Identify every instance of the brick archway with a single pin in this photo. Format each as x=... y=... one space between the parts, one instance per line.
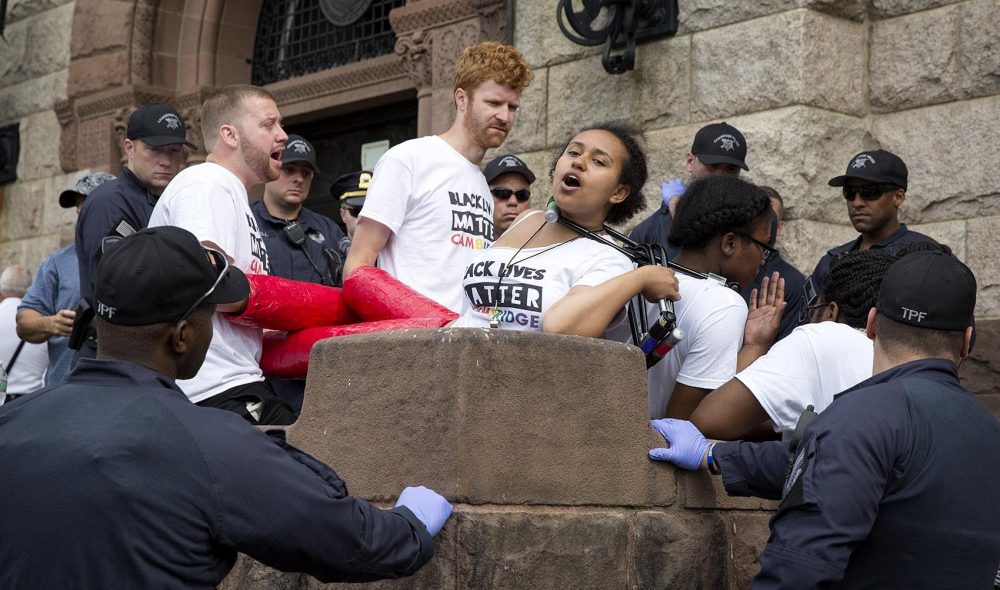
x=129 y=53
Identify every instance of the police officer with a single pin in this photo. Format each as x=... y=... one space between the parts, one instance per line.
x=301 y=245
x=874 y=187
x=154 y=146
x=893 y=485
x=351 y=190
x=510 y=181
x=133 y=486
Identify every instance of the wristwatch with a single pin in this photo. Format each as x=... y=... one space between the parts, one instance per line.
x=713 y=466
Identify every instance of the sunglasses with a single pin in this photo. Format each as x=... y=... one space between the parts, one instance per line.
x=353 y=210
x=222 y=265
x=765 y=251
x=807 y=311
x=504 y=193
x=869 y=192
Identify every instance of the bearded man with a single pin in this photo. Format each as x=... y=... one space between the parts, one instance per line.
x=428 y=210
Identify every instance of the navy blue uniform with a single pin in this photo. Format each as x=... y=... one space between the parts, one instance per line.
x=894 y=486
x=655 y=229
x=322 y=243
x=116 y=208
x=116 y=480
x=896 y=241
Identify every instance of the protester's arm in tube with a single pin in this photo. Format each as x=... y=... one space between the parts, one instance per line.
x=587 y=311
x=36 y=328
x=370 y=237
x=729 y=412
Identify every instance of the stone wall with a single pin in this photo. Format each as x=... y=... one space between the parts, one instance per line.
x=34 y=67
x=540 y=441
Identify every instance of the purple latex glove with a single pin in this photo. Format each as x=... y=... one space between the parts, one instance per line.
x=674 y=188
x=688 y=446
x=427 y=505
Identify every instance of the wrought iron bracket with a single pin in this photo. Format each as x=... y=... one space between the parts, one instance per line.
x=618 y=24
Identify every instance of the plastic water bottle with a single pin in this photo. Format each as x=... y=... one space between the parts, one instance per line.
x=3 y=383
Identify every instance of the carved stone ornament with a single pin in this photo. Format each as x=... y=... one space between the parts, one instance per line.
x=415 y=50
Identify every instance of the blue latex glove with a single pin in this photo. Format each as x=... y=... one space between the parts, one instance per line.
x=674 y=188
x=429 y=507
x=688 y=446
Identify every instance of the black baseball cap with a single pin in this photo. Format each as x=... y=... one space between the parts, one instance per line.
x=876 y=166
x=156 y=274
x=82 y=188
x=506 y=164
x=720 y=143
x=351 y=188
x=157 y=125
x=298 y=149
x=929 y=289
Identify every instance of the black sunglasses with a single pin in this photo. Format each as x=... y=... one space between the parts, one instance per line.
x=353 y=210
x=807 y=311
x=868 y=192
x=504 y=193
x=222 y=265
x=765 y=251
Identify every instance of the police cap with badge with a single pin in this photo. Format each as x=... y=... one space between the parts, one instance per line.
x=351 y=189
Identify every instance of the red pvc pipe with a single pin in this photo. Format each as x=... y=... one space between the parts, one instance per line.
x=277 y=303
x=376 y=295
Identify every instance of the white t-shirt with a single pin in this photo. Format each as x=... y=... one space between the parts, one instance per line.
x=440 y=211
x=809 y=366
x=28 y=373
x=211 y=202
x=712 y=317
x=533 y=280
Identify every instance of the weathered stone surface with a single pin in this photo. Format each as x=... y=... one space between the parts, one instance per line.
x=796 y=150
x=678 y=550
x=29 y=252
x=531 y=121
x=32 y=96
x=538 y=36
x=700 y=489
x=980 y=47
x=940 y=145
x=531 y=550
x=746 y=534
x=21 y=9
x=22 y=211
x=12 y=53
x=653 y=95
x=983 y=256
x=498 y=547
x=888 y=8
x=39 y=147
x=48 y=41
x=699 y=15
x=817 y=65
x=915 y=60
x=104 y=70
x=981 y=371
x=490 y=417
x=936 y=56
x=950 y=233
x=804 y=242
x=102 y=26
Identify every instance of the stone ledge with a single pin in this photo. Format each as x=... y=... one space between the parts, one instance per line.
x=484 y=416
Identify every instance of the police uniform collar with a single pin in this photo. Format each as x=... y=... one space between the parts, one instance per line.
x=930 y=368
x=137 y=184
x=120 y=373
x=856 y=244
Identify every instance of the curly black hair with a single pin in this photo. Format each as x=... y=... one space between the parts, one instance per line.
x=854 y=281
x=717 y=205
x=634 y=172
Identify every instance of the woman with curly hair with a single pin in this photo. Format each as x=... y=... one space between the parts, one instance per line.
x=543 y=276
x=721 y=227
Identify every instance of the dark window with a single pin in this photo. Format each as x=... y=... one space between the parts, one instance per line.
x=295 y=37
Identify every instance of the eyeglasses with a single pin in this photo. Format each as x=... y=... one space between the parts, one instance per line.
x=868 y=192
x=504 y=193
x=765 y=251
x=222 y=265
